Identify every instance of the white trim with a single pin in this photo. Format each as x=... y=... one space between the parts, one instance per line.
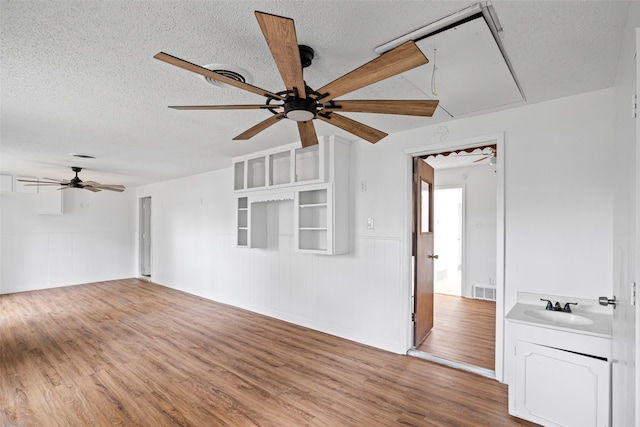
x=495 y=138
x=452 y=364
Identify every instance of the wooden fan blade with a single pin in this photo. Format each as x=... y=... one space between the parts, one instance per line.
x=223 y=107
x=96 y=185
x=398 y=60
x=280 y=34
x=181 y=63
x=308 y=136
x=253 y=131
x=42 y=184
x=90 y=188
x=360 y=129
x=37 y=181
x=118 y=188
x=408 y=108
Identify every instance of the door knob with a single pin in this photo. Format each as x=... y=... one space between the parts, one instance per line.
x=606 y=301
x=433 y=256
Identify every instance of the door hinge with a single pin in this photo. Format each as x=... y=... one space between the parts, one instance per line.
x=634 y=105
x=633 y=293
x=413 y=317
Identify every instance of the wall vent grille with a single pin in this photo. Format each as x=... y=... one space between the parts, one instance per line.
x=484 y=292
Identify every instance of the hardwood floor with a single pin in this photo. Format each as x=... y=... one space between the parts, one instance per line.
x=134 y=353
x=464 y=330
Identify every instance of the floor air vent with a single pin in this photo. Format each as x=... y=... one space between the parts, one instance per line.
x=484 y=292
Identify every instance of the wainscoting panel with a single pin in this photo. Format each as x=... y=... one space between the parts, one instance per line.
x=358 y=296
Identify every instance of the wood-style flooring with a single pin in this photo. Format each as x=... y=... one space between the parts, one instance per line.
x=464 y=330
x=133 y=353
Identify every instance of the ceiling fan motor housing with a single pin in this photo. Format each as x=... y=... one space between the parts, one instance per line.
x=76 y=181
x=300 y=110
x=306 y=55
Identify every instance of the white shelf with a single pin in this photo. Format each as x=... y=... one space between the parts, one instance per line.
x=282 y=167
x=242 y=238
x=314 y=205
x=315 y=177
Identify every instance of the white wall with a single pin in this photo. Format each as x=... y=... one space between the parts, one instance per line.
x=92 y=241
x=558 y=202
x=193 y=245
x=479 y=245
x=558 y=227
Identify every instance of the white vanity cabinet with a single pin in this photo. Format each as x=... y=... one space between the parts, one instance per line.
x=316 y=178
x=560 y=388
x=558 y=374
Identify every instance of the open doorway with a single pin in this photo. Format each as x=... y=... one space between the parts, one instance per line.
x=468 y=261
x=145 y=237
x=449 y=223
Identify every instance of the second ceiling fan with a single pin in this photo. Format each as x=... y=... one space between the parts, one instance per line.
x=301 y=103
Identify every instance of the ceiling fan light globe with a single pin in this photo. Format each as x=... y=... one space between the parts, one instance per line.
x=300 y=115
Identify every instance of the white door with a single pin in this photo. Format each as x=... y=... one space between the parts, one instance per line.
x=624 y=393
x=145 y=236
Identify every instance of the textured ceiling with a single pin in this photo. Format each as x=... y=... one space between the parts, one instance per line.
x=80 y=76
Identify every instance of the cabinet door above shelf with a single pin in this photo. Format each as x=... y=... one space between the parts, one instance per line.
x=289 y=165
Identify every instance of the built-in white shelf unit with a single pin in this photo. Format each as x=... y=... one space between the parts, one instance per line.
x=315 y=178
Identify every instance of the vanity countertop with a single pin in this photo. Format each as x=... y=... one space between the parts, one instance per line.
x=601 y=326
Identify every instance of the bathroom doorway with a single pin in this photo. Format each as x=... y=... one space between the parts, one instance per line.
x=468 y=276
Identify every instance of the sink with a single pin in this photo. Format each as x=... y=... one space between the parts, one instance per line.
x=559 y=317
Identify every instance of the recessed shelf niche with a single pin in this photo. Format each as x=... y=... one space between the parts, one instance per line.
x=256 y=172
x=307 y=163
x=280 y=168
x=243 y=222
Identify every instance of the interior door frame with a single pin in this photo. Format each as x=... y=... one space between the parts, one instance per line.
x=144 y=249
x=436 y=147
